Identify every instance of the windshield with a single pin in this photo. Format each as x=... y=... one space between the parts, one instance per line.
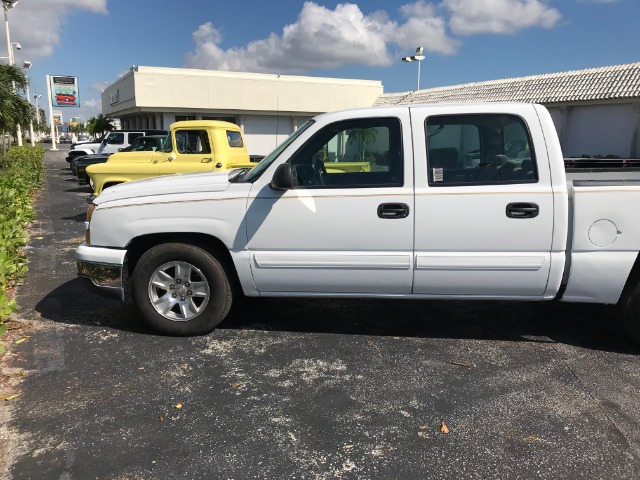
x=254 y=174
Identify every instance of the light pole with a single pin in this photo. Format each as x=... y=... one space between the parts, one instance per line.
x=37 y=97
x=27 y=65
x=418 y=57
x=6 y=6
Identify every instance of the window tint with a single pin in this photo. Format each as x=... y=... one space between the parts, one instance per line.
x=356 y=153
x=133 y=136
x=115 y=138
x=479 y=150
x=192 y=141
x=234 y=139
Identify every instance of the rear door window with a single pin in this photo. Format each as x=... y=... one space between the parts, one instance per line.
x=480 y=149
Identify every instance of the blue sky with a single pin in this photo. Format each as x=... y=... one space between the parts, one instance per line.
x=464 y=40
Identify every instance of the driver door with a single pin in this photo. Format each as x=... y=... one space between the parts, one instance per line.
x=192 y=152
x=346 y=226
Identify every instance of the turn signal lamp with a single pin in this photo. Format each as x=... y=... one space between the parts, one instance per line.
x=87 y=224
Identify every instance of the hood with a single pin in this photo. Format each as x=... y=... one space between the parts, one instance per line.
x=167 y=185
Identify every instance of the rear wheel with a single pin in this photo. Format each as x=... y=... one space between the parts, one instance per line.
x=181 y=289
x=630 y=311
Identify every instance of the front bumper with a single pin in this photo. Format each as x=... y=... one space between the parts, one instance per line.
x=102 y=269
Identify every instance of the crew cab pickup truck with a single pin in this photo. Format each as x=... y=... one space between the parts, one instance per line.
x=193 y=146
x=460 y=202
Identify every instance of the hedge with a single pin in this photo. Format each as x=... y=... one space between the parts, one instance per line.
x=21 y=173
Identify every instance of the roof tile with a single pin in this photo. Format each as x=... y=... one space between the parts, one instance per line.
x=613 y=82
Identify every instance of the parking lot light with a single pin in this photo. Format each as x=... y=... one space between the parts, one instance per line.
x=418 y=57
x=6 y=6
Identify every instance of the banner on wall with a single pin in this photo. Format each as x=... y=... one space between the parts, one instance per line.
x=64 y=91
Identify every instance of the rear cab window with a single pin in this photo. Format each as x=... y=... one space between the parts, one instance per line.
x=234 y=139
x=479 y=149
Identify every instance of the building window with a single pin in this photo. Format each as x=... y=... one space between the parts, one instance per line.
x=181 y=118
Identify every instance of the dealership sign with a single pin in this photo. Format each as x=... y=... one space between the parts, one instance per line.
x=64 y=92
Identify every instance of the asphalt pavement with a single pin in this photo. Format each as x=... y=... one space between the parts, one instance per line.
x=308 y=389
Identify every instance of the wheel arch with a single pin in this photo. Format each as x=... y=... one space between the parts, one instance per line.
x=633 y=278
x=213 y=245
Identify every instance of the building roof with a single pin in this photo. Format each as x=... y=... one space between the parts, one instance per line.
x=593 y=84
x=196 y=91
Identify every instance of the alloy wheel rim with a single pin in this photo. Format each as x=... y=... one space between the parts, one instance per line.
x=178 y=291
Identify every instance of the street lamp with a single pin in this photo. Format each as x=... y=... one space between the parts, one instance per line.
x=418 y=57
x=6 y=6
x=37 y=97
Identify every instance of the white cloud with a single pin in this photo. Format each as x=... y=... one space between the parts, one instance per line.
x=89 y=108
x=36 y=24
x=471 y=17
x=325 y=38
x=424 y=27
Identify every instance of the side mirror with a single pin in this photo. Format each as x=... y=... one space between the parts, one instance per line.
x=282 y=177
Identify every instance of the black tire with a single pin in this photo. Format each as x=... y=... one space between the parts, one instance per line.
x=163 y=292
x=629 y=314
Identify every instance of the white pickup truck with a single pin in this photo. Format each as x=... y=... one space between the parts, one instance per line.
x=437 y=202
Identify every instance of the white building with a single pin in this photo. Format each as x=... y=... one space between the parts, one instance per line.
x=267 y=107
x=596 y=111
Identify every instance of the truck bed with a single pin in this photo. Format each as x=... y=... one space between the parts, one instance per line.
x=614 y=175
x=604 y=234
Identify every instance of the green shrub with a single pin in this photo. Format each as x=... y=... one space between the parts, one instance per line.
x=21 y=173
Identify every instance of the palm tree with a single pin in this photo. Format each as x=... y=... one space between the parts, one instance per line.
x=14 y=109
x=363 y=136
x=100 y=124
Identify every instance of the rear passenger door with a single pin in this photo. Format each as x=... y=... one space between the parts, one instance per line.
x=484 y=205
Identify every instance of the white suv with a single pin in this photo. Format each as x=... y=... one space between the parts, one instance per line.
x=113 y=142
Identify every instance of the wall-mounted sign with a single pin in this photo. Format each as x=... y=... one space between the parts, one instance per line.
x=64 y=92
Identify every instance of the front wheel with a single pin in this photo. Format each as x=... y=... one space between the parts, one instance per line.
x=181 y=289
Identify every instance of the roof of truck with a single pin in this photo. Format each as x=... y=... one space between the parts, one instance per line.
x=205 y=124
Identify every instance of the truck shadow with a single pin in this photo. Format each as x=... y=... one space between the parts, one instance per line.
x=581 y=325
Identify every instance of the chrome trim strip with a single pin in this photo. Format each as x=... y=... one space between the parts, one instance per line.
x=479 y=262
x=333 y=260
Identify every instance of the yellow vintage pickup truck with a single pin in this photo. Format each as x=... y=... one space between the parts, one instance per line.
x=192 y=146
